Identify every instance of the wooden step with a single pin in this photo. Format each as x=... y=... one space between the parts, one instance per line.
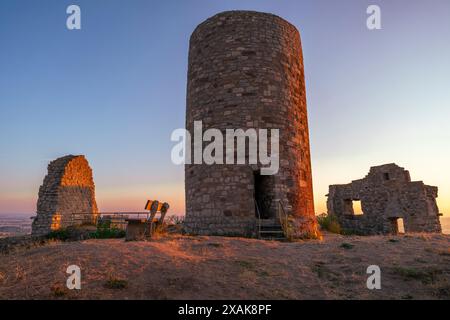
x=272 y=235
x=265 y=222
x=271 y=229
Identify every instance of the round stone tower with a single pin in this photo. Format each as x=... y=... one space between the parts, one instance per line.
x=246 y=72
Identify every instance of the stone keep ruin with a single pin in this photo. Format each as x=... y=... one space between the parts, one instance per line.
x=246 y=71
x=68 y=188
x=387 y=195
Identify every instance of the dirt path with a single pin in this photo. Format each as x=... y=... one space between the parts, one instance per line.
x=413 y=267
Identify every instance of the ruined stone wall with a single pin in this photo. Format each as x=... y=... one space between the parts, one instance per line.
x=246 y=71
x=386 y=194
x=68 y=188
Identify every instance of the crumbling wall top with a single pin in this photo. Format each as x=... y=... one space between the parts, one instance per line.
x=68 y=188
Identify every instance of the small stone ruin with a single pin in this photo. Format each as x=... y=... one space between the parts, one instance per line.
x=387 y=196
x=68 y=189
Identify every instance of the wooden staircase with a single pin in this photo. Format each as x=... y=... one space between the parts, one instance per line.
x=269 y=229
x=275 y=228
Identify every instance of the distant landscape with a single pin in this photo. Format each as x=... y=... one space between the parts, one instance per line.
x=20 y=224
x=15 y=224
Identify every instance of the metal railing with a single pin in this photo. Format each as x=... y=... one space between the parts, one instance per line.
x=117 y=219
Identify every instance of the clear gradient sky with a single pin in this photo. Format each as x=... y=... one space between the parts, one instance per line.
x=115 y=90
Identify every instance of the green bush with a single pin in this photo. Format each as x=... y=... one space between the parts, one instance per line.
x=426 y=276
x=347 y=246
x=114 y=283
x=104 y=224
x=61 y=234
x=329 y=223
x=103 y=233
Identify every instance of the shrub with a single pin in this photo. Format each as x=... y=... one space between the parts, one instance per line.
x=347 y=246
x=58 y=290
x=323 y=271
x=114 y=283
x=105 y=231
x=329 y=223
x=112 y=233
x=426 y=276
x=61 y=234
x=245 y=264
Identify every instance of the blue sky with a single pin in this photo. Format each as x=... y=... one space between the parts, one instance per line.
x=115 y=90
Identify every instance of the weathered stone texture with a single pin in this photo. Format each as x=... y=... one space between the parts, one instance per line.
x=386 y=194
x=68 y=188
x=246 y=71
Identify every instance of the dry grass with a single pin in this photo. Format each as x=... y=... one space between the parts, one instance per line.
x=183 y=267
x=329 y=223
